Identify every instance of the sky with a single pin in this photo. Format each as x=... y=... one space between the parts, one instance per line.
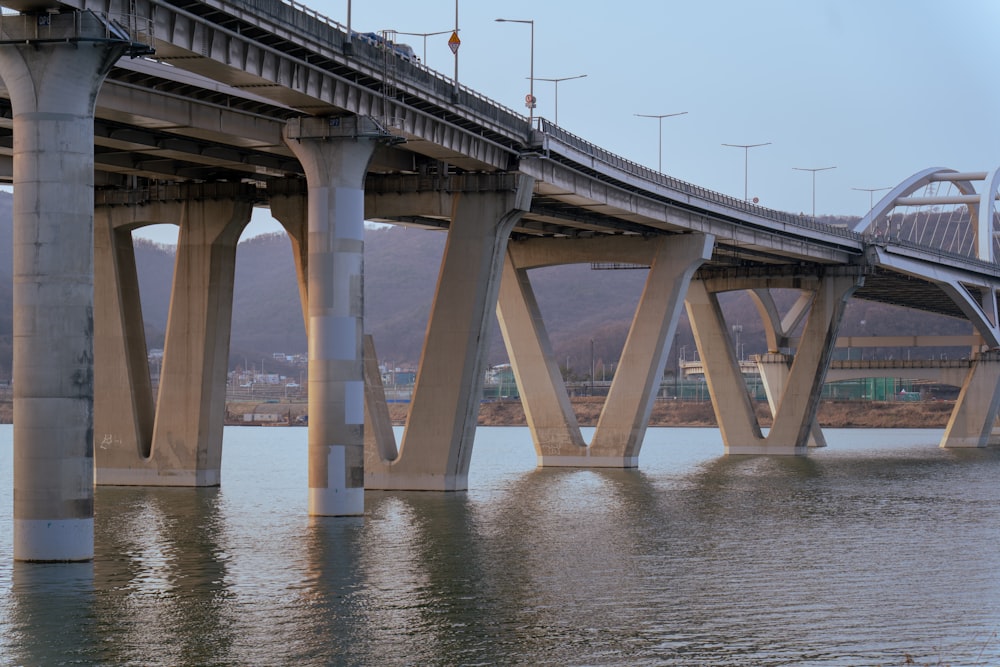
x=877 y=89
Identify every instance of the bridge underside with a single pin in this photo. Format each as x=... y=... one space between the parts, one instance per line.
x=279 y=107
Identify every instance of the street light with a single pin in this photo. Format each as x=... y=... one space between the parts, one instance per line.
x=556 y=82
x=660 y=117
x=813 y=170
x=871 y=203
x=425 y=35
x=530 y=102
x=746 y=151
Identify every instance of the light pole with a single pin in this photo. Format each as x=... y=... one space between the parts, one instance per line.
x=746 y=160
x=425 y=35
x=813 y=170
x=660 y=118
x=530 y=101
x=591 y=366
x=556 y=82
x=350 y=33
x=871 y=203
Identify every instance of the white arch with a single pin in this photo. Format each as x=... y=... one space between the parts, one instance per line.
x=987 y=210
x=909 y=186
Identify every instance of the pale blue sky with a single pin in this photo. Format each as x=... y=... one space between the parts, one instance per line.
x=878 y=89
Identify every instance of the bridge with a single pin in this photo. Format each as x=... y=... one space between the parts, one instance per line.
x=118 y=115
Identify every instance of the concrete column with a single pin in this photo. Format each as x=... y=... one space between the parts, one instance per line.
x=289 y=203
x=547 y=407
x=334 y=154
x=437 y=441
x=52 y=88
x=734 y=410
x=774 y=369
x=183 y=445
x=123 y=406
x=796 y=415
x=380 y=440
x=975 y=411
x=626 y=411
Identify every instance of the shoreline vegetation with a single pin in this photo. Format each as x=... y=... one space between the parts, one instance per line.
x=832 y=414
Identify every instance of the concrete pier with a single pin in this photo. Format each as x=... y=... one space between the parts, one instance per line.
x=334 y=152
x=625 y=416
x=437 y=440
x=774 y=369
x=975 y=412
x=53 y=86
x=181 y=445
x=799 y=387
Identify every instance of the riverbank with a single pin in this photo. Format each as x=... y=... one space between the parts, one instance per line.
x=832 y=414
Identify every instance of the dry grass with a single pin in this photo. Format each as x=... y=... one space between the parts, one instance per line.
x=835 y=414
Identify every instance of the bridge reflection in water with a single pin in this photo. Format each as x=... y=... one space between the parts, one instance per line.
x=697 y=559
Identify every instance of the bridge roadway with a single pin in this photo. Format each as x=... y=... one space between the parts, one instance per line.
x=116 y=115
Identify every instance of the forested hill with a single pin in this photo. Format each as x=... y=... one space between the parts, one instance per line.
x=587 y=312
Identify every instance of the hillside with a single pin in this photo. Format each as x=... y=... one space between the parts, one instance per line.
x=587 y=312
x=579 y=305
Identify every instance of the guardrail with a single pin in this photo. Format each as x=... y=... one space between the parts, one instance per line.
x=553 y=131
x=441 y=86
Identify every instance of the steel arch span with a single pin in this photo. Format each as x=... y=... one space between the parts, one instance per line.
x=982 y=226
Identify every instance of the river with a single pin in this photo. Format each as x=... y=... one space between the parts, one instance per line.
x=880 y=547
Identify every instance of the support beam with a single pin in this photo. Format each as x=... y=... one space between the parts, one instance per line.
x=437 y=441
x=52 y=87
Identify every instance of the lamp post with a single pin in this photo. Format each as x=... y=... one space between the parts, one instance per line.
x=454 y=49
x=425 y=35
x=556 y=82
x=350 y=33
x=871 y=203
x=591 y=366
x=530 y=101
x=746 y=160
x=660 y=118
x=813 y=170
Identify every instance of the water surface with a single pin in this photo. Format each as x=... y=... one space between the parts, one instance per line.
x=878 y=547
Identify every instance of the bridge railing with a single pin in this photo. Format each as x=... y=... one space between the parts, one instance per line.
x=301 y=18
x=635 y=169
x=945 y=257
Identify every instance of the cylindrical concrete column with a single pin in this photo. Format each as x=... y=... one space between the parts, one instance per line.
x=334 y=154
x=52 y=89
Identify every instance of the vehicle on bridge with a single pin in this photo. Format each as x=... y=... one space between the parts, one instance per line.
x=404 y=51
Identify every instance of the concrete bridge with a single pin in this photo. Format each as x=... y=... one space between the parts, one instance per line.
x=117 y=115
